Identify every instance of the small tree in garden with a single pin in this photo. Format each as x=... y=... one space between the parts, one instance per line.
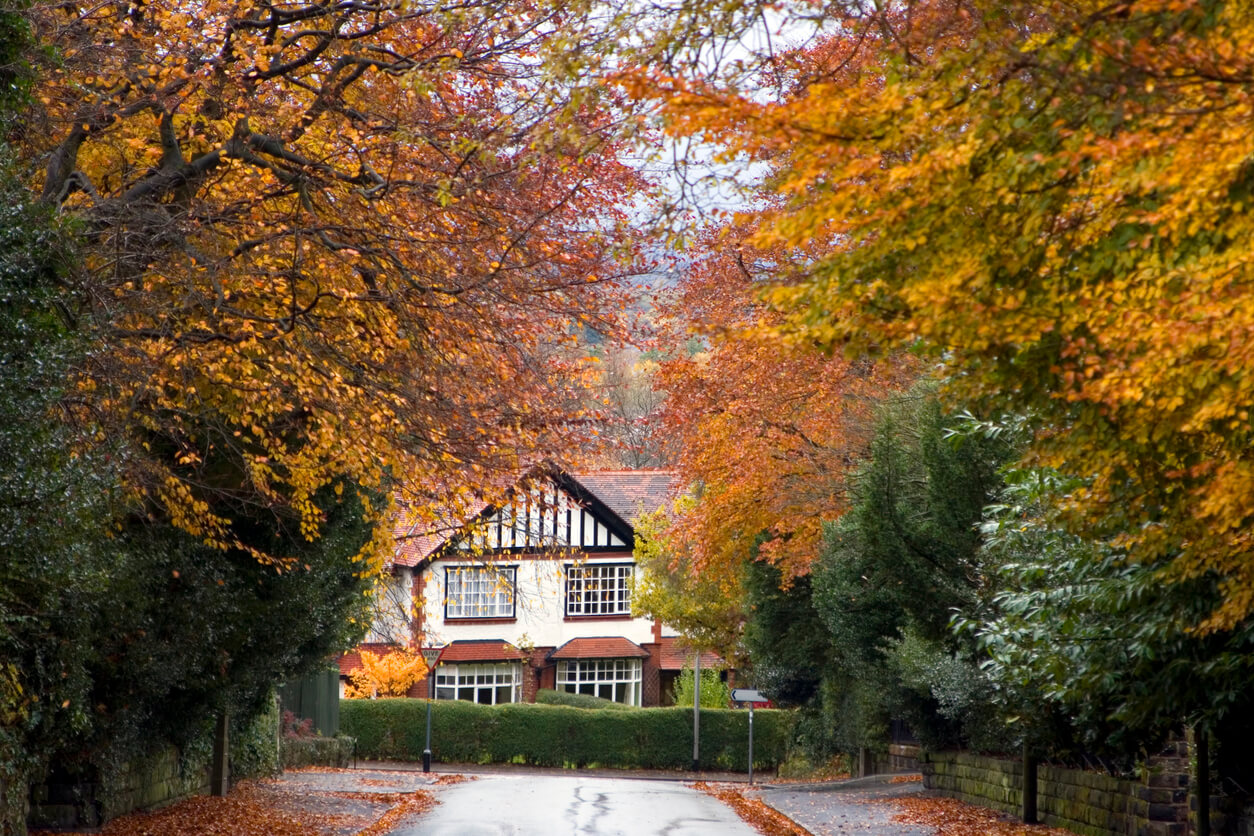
x=714 y=691
x=388 y=674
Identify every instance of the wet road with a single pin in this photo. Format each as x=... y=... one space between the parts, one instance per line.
x=846 y=808
x=544 y=805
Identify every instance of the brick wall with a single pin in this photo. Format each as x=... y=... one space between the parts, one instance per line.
x=651 y=680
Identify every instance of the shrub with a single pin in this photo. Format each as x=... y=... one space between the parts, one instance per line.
x=317 y=751
x=714 y=691
x=550 y=697
x=564 y=736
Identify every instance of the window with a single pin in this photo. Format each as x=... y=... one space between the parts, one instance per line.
x=610 y=679
x=479 y=592
x=489 y=684
x=598 y=589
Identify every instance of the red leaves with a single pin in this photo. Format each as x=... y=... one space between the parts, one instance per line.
x=768 y=425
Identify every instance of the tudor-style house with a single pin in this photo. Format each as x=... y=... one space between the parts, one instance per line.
x=536 y=594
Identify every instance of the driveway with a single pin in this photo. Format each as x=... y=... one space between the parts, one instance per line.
x=546 y=805
x=845 y=807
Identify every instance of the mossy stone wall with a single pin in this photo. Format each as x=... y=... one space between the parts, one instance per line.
x=1087 y=803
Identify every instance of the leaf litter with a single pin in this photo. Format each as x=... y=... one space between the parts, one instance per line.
x=268 y=807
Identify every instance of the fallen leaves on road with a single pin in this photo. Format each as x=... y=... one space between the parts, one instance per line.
x=905 y=779
x=764 y=819
x=270 y=808
x=951 y=817
x=406 y=804
x=450 y=778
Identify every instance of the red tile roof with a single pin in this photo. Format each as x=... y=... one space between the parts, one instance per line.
x=672 y=655
x=606 y=647
x=418 y=539
x=480 y=650
x=630 y=493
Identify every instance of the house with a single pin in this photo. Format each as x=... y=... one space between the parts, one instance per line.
x=535 y=594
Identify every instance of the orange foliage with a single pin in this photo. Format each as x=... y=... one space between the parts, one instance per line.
x=766 y=428
x=766 y=820
x=328 y=240
x=1051 y=197
x=388 y=674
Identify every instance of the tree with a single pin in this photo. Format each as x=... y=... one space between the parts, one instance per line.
x=1050 y=199
x=629 y=407
x=764 y=427
x=1092 y=651
x=332 y=240
x=896 y=568
x=714 y=691
x=117 y=632
x=707 y=608
x=388 y=674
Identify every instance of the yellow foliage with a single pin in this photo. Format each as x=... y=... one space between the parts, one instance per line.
x=390 y=673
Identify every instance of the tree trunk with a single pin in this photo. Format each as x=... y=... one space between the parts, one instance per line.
x=220 y=774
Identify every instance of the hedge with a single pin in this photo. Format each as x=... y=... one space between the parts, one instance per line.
x=556 y=735
x=297 y=752
x=549 y=697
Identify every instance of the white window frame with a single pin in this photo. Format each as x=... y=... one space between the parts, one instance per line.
x=488 y=683
x=599 y=588
x=616 y=679
x=480 y=591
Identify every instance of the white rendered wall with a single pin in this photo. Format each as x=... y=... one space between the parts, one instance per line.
x=393 y=607
x=539 y=608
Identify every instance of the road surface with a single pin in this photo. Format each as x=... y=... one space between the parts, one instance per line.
x=546 y=805
x=845 y=808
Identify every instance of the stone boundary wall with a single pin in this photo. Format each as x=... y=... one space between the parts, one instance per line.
x=898 y=758
x=152 y=782
x=1088 y=803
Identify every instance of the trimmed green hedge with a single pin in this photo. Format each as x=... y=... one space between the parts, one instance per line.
x=548 y=697
x=556 y=735
x=316 y=751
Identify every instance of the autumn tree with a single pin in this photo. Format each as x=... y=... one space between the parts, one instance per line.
x=764 y=428
x=628 y=405
x=327 y=240
x=1049 y=198
x=707 y=608
x=390 y=673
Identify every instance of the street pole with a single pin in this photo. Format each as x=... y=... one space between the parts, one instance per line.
x=696 y=712
x=426 y=753
x=751 y=744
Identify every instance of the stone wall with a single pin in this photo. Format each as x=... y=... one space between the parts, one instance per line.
x=1088 y=803
x=160 y=779
x=900 y=757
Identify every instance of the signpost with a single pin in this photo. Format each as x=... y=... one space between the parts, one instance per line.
x=753 y=697
x=430 y=657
